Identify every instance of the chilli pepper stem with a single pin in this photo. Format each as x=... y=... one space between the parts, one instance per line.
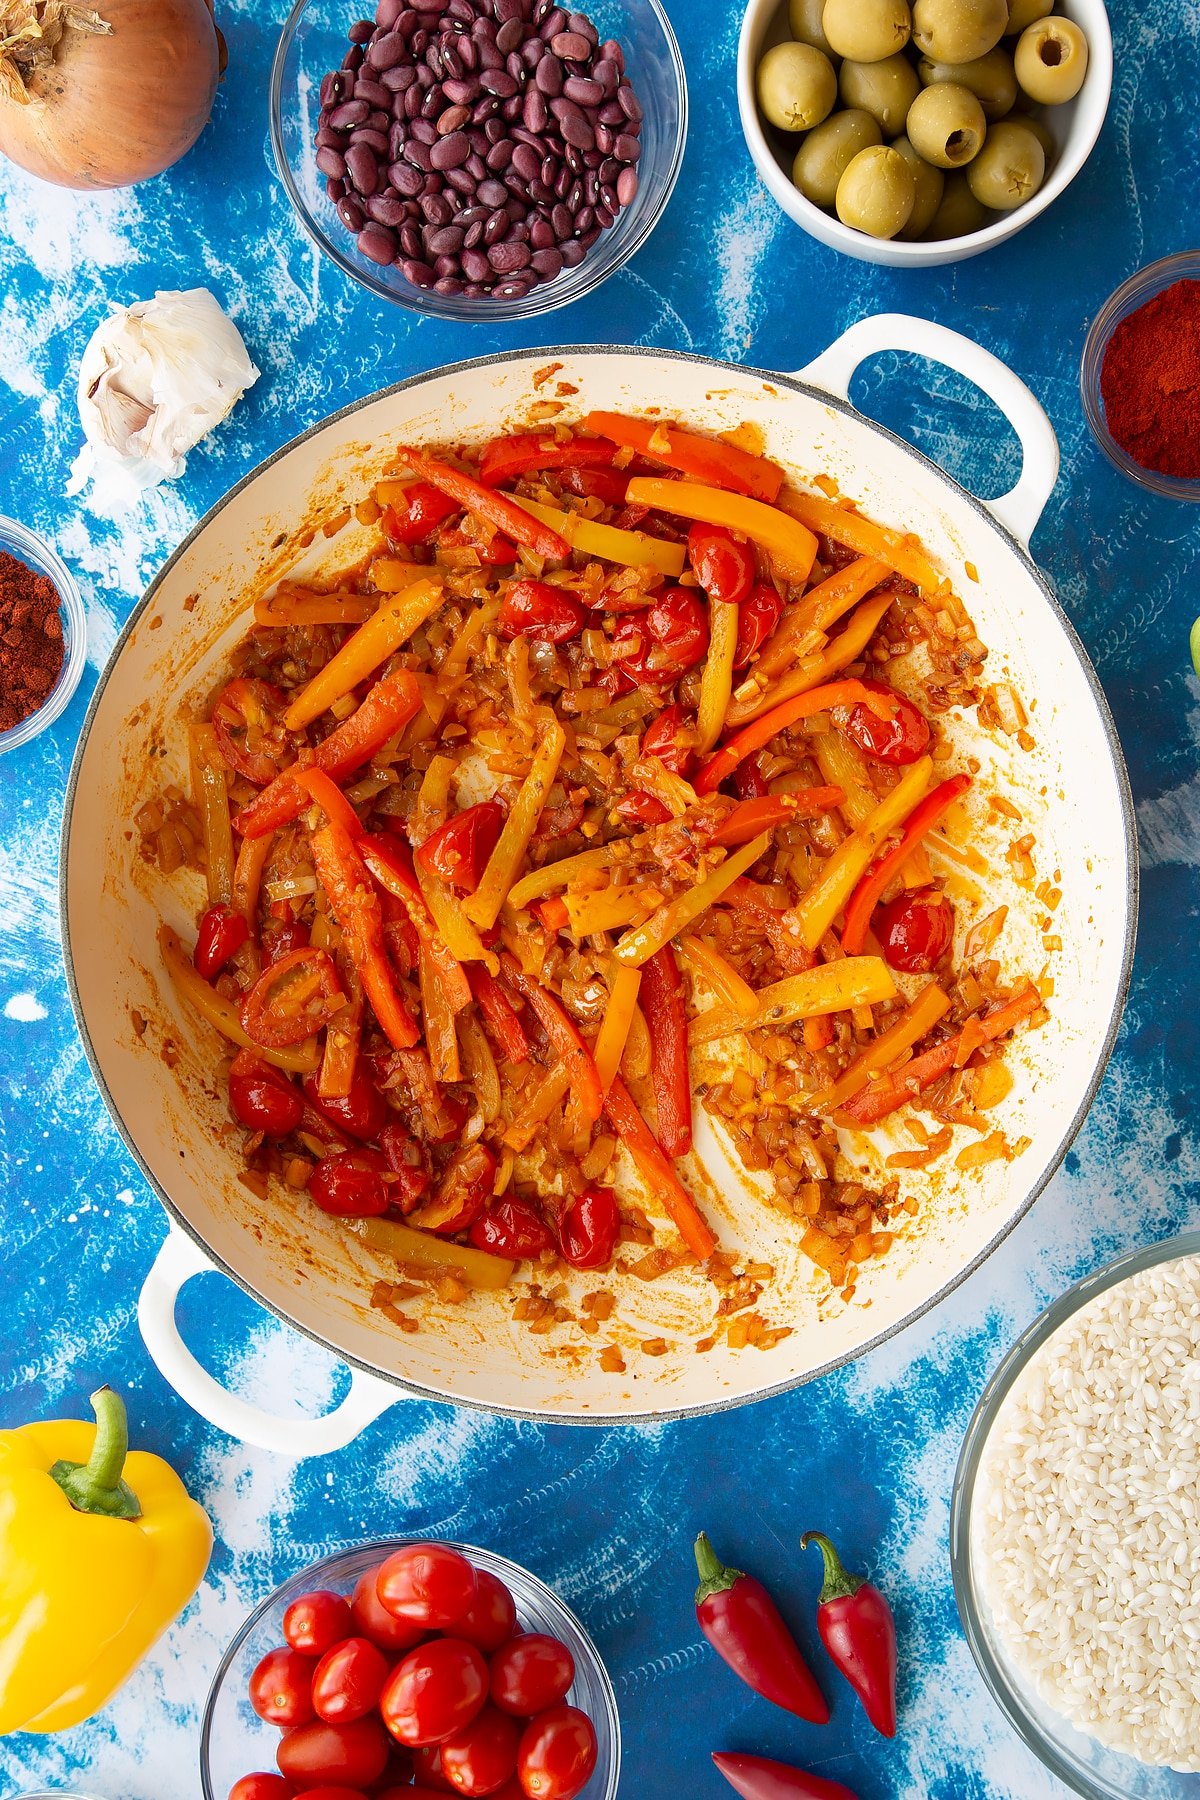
x=96 y=1485
x=839 y=1584
x=715 y=1576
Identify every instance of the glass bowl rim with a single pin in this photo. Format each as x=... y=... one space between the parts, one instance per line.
x=1151 y=279
x=29 y=546
x=486 y=311
x=995 y=1392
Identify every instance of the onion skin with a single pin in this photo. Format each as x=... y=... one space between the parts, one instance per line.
x=112 y=111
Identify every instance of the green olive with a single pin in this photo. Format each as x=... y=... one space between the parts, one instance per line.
x=959 y=214
x=1051 y=60
x=991 y=79
x=1009 y=169
x=804 y=22
x=1026 y=12
x=796 y=86
x=867 y=30
x=958 y=31
x=1041 y=132
x=931 y=185
x=822 y=158
x=884 y=89
x=946 y=125
x=877 y=192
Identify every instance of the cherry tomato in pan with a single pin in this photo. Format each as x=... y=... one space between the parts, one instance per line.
x=409 y=1162
x=427 y=1769
x=262 y=1097
x=491 y=1618
x=898 y=740
x=281 y=1688
x=915 y=930
x=483 y=1755
x=246 y=717
x=262 y=1786
x=350 y=1185
x=664 y=738
x=292 y=998
x=749 y=781
x=529 y=1674
x=428 y=1585
x=280 y=938
x=514 y=1229
x=536 y=609
x=722 y=563
x=419 y=514
x=557 y=1754
x=371 y=1618
x=351 y=1755
x=458 y=851
x=348 y=1681
x=434 y=1692
x=758 y=616
x=222 y=932
x=640 y=808
x=659 y=645
x=587 y=1230
x=315 y=1622
x=360 y=1113
x=462 y=1193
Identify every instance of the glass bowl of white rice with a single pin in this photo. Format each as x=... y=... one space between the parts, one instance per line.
x=1075 y=1530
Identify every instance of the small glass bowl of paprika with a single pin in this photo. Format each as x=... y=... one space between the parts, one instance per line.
x=22 y=547
x=1140 y=377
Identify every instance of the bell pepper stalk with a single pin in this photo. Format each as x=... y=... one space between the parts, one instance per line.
x=656 y=1170
x=831 y=987
x=101 y=1548
x=498 y=509
x=499 y=1015
x=813 y=671
x=744 y=1626
x=676 y=915
x=563 y=1033
x=791 y=546
x=716 y=683
x=211 y=798
x=758 y=1778
x=859 y=1632
x=901 y=551
x=816 y=909
x=720 y=767
x=636 y=549
x=704 y=458
x=479 y=1268
x=819 y=608
x=506 y=458
x=914 y=1023
x=624 y=985
x=355 y=905
x=392 y=625
x=391 y=864
x=867 y=894
x=298 y=1059
x=387 y=709
x=896 y=1090
x=665 y=1007
x=749 y=817
x=482 y=907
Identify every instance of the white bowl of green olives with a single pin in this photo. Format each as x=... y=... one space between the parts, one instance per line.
x=917 y=132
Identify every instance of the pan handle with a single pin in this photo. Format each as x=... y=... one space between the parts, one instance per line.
x=1020 y=509
x=176 y=1263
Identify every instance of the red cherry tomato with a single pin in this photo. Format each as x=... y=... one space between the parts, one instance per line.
x=428 y=1585
x=895 y=741
x=262 y=1097
x=664 y=739
x=722 y=563
x=335 y=1793
x=281 y=1688
x=531 y=1673
x=458 y=851
x=535 y=609
x=348 y=1681
x=262 y=1786
x=360 y=1113
x=222 y=932
x=292 y=998
x=749 y=781
x=434 y=1692
x=758 y=616
x=246 y=717
x=511 y=1228
x=915 y=930
x=483 y=1755
x=350 y=1185
x=491 y=1618
x=406 y=1157
x=315 y=1622
x=587 y=1230
x=557 y=1754
x=640 y=808
x=371 y=1618
x=280 y=939
x=462 y=1193
x=659 y=645
x=419 y=514
x=427 y=1769
x=351 y=1755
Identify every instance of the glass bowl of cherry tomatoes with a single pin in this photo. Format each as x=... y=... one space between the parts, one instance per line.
x=405 y=1670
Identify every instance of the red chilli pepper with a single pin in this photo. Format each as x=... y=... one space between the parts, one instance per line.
x=755 y=1778
x=859 y=1632
x=744 y=1627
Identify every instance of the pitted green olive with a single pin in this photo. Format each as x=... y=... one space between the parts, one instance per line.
x=804 y=23
x=946 y=125
x=960 y=213
x=931 y=185
x=796 y=86
x=827 y=151
x=1009 y=169
x=867 y=30
x=877 y=192
x=1026 y=12
x=991 y=79
x=958 y=31
x=1051 y=60
x=884 y=89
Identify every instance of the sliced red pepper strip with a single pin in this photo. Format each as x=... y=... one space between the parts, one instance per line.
x=390 y=862
x=883 y=1097
x=292 y=999
x=496 y=508
x=497 y=1011
x=760 y=731
x=563 y=1033
x=355 y=904
x=387 y=709
x=706 y=459
x=507 y=457
x=330 y=798
x=859 y=1632
x=749 y=817
x=657 y=1171
x=744 y=1626
x=865 y=898
x=661 y=997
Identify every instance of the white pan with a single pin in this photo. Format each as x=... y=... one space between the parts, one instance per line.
x=1071 y=789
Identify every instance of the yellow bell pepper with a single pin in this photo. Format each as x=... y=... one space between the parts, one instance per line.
x=100 y=1549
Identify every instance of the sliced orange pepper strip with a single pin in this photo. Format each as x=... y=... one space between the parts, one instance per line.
x=896 y=1090
x=330 y=798
x=563 y=1033
x=355 y=904
x=792 y=546
x=656 y=1170
x=749 y=817
x=498 y=509
x=708 y=459
x=801 y=706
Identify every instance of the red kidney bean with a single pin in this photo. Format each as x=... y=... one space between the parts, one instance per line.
x=351 y=214
x=333 y=88
x=572 y=253
x=333 y=188
x=361 y=31
x=349 y=114
x=419 y=273
x=375 y=141
x=331 y=162
x=386 y=209
x=548 y=75
x=373 y=92
x=377 y=244
x=627 y=149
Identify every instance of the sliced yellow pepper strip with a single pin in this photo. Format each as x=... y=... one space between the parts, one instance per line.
x=391 y=1238
x=815 y=912
x=662 y=925
x=558 y=874
x=716 y=684
x=459 y=935
x=211 y=798
x=609 y=1048
x=791 y=544
x=394 y=574
x=820 y=608
x=637 y=549
x=901 y=551
x=473 y=626
x=843 y=764
x=928 y=1007
x=813 y=671
x=604 y=909
x=542 y=1102
x=719 y=973
x=483 y=906
x=830 y=988
x=300 y=1059
x=396 y=620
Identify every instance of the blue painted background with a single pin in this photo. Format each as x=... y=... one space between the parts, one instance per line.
x=607 y=1516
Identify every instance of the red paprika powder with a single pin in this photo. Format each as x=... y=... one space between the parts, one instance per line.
x=31 y=640
x=1150 y=382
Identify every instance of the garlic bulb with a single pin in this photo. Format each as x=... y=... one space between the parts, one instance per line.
x=155 y=378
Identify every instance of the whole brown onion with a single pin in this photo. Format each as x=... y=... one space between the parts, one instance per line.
x=105 y=108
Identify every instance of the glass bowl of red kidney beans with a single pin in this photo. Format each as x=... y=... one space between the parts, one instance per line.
x=479 y=159
x=339 y=1682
